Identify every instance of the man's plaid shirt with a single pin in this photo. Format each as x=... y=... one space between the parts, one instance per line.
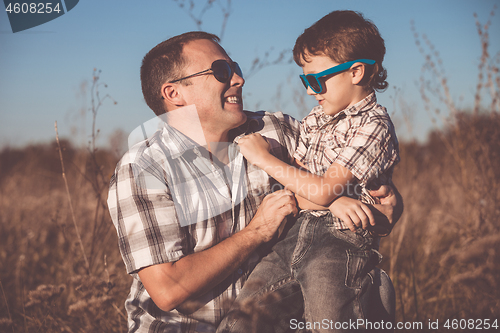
x=167 y=200
x=360 y=138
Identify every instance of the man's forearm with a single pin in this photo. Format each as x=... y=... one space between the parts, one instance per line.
x=171 y=284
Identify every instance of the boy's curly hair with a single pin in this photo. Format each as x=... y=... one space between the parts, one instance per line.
x=345 y=36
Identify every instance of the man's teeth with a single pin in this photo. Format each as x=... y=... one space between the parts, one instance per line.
x=233 y=99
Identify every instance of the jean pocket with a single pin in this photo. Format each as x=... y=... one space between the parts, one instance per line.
x=361 y=239
x=359 y=264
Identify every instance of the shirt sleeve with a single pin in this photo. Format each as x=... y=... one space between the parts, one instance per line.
x=300 y=153
x=290 y=128
x=370 y=151
x=283 y=130
x=143 y=212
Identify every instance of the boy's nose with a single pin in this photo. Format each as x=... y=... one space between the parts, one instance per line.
x=310 y=91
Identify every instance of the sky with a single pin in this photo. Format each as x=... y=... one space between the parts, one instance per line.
x=46 y=71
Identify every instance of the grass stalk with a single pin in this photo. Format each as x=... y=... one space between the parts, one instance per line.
x=69 y=200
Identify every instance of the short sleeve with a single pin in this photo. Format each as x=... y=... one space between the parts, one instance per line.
x=302 y=145
x=144 y=215
x=282 y=129
x=370 y=151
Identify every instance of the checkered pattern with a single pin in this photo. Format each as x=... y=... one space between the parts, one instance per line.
x=360 y=138
x=168 y=200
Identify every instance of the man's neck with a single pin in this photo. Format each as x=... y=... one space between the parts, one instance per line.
x=187 y=121
x=218 y=147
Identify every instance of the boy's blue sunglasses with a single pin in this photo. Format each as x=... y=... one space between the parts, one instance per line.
x=312 y=80
x=221 y=69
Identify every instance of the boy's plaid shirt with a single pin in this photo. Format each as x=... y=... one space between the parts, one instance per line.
x=360 y=138
x=162 y=183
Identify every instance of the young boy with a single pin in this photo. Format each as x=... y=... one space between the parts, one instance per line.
x=348 y=146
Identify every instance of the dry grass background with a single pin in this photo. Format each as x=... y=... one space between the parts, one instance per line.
x=443 y=255
x=46 y=285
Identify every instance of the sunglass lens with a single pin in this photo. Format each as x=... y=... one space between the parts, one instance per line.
x=237 y=69
x=313 y=82
x=221 y=70
x=303 y=81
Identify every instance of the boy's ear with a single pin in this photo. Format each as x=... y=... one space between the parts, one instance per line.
x=357 y=72
x=171 y=94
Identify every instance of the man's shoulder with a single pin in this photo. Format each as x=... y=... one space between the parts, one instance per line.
x=266 y=115
x=264 y=121
x=143 y=151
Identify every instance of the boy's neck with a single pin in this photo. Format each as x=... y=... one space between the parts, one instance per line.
x=357 y=97
x=361 y=95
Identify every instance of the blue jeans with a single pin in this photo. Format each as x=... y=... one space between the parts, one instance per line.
x=316 y=277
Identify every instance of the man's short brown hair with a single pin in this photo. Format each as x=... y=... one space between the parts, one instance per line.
x=345 y=36
x=164 y=63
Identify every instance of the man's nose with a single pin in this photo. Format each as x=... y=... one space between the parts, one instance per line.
x=237 y=81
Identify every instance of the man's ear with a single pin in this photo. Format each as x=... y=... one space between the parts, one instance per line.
x=171 y=94
x=357 y=72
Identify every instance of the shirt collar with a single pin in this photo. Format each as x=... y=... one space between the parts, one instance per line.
x=176 y=142
x=365 y=104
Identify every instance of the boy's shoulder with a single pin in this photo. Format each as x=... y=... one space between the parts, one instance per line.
x=365 y=111
x=374 y=113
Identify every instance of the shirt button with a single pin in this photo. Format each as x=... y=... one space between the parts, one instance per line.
x=315 y=157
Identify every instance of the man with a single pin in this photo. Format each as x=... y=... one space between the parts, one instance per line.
x=189 y=212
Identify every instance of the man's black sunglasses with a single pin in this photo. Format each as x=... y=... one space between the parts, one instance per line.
x=221 y=69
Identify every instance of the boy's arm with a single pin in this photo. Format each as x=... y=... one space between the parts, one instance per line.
x=320 y=190
x=303 y=203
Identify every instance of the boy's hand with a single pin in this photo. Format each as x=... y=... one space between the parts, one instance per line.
x=254 y=147
x=353 y=212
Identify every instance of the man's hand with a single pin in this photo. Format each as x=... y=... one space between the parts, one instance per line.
x=388 y=211
x=391 y=202
x=254 y=147
x=273 y=210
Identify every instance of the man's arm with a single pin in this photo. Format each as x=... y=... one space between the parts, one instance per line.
x=170 y=284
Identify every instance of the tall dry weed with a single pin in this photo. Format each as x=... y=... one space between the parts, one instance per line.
x=443 y=255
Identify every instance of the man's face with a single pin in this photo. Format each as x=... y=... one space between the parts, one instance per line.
x=219 y=105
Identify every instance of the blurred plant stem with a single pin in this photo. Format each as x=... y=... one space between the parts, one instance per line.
x=70 y=202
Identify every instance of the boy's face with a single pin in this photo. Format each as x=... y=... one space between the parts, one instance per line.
x=340 y=90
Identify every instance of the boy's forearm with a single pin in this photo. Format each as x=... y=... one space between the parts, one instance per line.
x=316 y=189
x=303 y=203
